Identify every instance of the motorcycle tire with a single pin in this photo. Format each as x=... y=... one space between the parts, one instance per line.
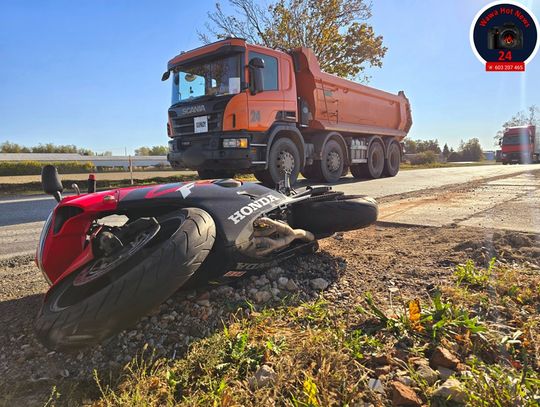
x=340 y=213
x=74 y=315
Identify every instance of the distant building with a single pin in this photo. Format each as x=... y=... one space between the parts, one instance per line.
x=489 y=155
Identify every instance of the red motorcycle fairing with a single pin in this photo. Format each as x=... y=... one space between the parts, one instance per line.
x=66 y=238
x=233 y=205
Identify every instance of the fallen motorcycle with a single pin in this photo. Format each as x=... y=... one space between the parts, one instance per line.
x=104 y=277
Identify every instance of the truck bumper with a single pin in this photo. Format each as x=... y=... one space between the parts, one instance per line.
x=206 y=152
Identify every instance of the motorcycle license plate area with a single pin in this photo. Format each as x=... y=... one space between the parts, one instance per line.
x=200 y=124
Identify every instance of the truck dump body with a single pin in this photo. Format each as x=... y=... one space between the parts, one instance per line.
x=341 y=105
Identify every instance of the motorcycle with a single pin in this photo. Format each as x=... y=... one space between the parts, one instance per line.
x=104 y=277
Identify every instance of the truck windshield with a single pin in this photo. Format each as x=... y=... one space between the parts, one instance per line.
x=515 y=139
x=218 y=77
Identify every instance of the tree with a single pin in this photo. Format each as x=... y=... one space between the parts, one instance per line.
x=446 y=151
x=471 y=150
x=421 y=146
x=8 y=147
x=410 y=146
x=468 y=151
x=155 y=150
x=530 y=116
x=428 y=145
x=335 y=30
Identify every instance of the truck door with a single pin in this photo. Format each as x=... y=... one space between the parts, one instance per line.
x=264 y=107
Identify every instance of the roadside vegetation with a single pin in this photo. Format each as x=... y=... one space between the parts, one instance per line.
x=8 y=168
x=472 y=342
x=427 y=152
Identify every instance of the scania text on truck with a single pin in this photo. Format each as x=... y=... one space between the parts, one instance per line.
x=520 y=144
x=238 y=107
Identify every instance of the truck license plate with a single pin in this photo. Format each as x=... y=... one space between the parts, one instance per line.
x=200 y=124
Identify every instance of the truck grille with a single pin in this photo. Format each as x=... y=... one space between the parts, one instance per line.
x=183 y=126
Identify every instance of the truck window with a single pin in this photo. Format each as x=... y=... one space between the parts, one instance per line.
x=270 y=71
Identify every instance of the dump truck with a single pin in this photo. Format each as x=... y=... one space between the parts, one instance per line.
x=238 y=107
x=520 y=145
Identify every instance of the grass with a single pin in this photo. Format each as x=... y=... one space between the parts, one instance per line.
x=324 y=355
x=474 y=276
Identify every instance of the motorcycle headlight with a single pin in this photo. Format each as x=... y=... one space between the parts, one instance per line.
x=41 y=246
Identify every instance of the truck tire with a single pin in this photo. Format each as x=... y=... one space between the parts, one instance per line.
x=332 y=163
x=375 y=157
x=393 y=160
x=215 y=174
x=284 y=155
x=76 y=315
x=340 y=214
x=360 y=171
x=309 y=172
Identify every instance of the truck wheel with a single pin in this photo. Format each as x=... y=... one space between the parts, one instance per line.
x=215 y=174
x=359 y=171
x=391 y=164
x=82 y=310
x=333 y=162
x=375 y=164
x=345 y=170
x=284 y=156
x=309 y=172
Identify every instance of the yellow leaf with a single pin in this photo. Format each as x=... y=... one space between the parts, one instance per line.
x=415 y=313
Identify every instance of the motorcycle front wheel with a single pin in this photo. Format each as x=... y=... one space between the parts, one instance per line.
x=108 y=295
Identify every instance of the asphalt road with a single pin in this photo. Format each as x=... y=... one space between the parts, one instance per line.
x=21 y=217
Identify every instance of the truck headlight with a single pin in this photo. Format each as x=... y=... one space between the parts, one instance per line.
x=235 y=143
x=503 y=155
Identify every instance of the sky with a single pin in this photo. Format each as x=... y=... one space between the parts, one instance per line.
x=89 y=73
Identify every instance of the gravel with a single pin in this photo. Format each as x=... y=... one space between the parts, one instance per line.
x=168 y=330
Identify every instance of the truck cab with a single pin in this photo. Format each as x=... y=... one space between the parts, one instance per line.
x=220 y=117
x=520 y=144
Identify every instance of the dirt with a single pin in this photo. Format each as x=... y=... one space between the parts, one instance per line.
x=389 y=261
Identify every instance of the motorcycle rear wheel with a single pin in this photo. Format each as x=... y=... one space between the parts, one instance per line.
x=338 y=214
x=81 y=312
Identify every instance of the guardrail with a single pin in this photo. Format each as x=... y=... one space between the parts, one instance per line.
x=97 y=160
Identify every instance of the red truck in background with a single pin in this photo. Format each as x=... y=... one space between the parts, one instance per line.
x=238 y=107
x=520 y=145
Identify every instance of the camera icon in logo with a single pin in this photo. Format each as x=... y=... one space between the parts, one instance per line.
x=507 y=36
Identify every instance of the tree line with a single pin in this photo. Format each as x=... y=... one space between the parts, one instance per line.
x=9 y=147
x=427 y=151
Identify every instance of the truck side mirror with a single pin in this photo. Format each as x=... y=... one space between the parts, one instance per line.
x=51 y=182
x=500 y=141
x=256 y=66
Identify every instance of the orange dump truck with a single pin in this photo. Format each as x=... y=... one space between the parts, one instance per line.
x=238 y=107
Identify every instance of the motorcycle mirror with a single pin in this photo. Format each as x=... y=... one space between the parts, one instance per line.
x=51 y=182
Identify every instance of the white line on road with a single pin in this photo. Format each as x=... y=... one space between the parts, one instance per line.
x=19 y=200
